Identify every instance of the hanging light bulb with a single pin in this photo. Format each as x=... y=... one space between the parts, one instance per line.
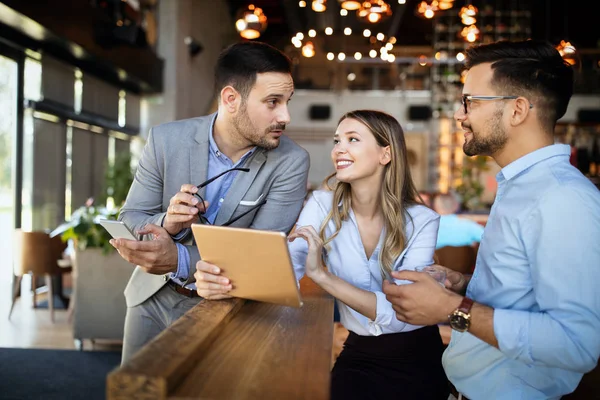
x=251 y=22
x=467 y=14
x=567 y=51
x=374 y=11
x=470 y=33
x=308 y=50
x=445 y=4
x=426 y=9
x=350 y=5
x=319 y=5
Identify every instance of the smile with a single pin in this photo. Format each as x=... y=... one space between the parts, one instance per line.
x=343 y=164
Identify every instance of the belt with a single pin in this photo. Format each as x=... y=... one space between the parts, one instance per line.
x=181 y=290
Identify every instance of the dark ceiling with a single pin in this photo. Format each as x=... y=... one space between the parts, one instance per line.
x=552 y=20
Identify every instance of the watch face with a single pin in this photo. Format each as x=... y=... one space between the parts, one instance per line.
x=459 y=322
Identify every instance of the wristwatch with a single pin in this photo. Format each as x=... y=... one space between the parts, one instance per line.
x=460 y=319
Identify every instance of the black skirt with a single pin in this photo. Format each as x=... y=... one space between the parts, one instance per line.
x=393 y=366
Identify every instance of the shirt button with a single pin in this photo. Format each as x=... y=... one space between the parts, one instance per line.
x=221 y=200
x=218 y=154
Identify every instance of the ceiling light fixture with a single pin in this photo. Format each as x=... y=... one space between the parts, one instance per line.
x=308 y=50
x=426 y=9
x=467 y=14
x=374 y=11
x=319 y=5
x=350 y=5
x=251 y=22
x=567 y=51
x=470 y=33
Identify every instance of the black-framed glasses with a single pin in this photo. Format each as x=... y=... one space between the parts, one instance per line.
x=466 y=100
x=205 y=220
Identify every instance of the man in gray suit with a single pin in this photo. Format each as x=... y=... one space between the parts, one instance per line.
x=261 y=185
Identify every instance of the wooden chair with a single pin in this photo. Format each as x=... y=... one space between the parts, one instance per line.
x=461 y=259
x=37 y=254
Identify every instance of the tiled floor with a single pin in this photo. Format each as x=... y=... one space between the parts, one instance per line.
x=31 y=327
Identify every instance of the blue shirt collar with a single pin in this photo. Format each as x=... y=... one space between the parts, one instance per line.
x=516 y=167
x=213 y=145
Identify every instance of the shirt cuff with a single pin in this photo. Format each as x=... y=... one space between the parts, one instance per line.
x=180 y=235
x=384 y=315
x=511 y=328
x=183 y=263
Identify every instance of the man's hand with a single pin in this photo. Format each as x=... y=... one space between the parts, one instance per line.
x=209 y=283
x=183 y=210
x=157 y=256
x=423 y=302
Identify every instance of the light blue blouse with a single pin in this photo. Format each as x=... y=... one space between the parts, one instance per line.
x=346 y=259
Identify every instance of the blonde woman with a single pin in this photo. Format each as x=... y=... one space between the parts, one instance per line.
x=348 y=240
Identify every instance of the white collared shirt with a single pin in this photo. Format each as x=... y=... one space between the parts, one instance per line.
x=346 y=259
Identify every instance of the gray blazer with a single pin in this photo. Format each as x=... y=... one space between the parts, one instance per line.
x=176 y=153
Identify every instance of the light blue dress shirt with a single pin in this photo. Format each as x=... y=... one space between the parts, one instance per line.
x=538 y=266
x=347 y=259
x=214 y=195
x=456 y=231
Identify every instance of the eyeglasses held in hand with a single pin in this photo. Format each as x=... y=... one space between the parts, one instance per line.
x=203 y=219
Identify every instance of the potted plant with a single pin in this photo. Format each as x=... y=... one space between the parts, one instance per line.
x=83 y=228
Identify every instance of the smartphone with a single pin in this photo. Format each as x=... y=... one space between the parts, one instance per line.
x=117 y=229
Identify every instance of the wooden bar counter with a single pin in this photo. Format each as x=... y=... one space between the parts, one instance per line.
x=236 y=349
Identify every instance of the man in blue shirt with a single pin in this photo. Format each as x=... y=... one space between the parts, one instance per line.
x=454 y=231
x=529 y=325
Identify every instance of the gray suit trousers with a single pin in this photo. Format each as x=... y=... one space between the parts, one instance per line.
x=145 y=321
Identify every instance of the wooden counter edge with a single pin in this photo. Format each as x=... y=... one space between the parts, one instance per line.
x=163 y=363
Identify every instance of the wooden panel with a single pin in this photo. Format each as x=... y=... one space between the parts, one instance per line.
x=268 y=352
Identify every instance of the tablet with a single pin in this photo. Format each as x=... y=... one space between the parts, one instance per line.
x=257 y=263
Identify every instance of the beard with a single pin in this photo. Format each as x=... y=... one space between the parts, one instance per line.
x=246 y=129
x=490 y=144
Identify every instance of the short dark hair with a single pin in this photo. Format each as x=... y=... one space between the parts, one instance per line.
x=529 y=68
x=239 y=63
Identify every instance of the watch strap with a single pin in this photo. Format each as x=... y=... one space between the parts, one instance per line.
x=465 y=305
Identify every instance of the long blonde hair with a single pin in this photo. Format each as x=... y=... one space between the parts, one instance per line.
x=397 y=192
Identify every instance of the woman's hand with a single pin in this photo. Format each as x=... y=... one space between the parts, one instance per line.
x=315 y=269
x=455 y=281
